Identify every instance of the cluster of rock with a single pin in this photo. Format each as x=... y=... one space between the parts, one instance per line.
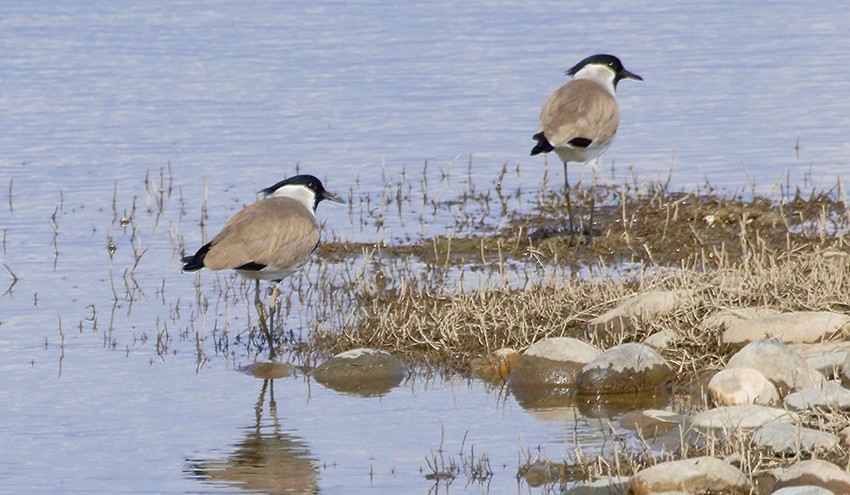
x=789 y=363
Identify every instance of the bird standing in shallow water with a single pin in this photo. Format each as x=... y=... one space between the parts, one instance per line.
x=579 y=120
x=268 y=240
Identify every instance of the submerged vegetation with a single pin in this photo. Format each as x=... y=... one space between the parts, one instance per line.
x=442 y=278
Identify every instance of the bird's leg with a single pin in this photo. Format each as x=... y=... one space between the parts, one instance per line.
x=273 y=310
x=261 y=311
x=569 y=202
x=592 y=200
x=264 y=325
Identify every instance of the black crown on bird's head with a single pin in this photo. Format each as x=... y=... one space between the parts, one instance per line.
x=306 y=181
x=610 y=61
x=311 y=182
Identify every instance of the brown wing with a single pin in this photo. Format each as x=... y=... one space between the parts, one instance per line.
x=277 y=232
x=579 y=109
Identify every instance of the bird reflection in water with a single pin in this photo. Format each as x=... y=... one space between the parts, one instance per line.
x=267 y=460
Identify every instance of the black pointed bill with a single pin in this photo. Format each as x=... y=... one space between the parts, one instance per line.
x=624 y=74
x=329 y=196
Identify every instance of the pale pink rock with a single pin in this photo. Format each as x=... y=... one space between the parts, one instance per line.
x=778 y=363
x=738 y=386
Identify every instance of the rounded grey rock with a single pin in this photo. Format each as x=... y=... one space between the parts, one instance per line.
x=630 y=367
x=364 y=372
x=786 y=438
x=749 y=417
x=552 y=362
x=696 y=475
x=778 y=363
x=814 y=472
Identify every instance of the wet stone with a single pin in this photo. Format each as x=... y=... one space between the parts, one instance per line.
x=366 y=372
x=789 y=439
x=496 y=366
x=799 y=327
x=697 y=475
x=740 y=386
x=625 y=368
x=639 y=307
x=552 y=362
x=814 y=472
x=778 y=363
x=828 y=395
x=268 y=369
x=749 y=417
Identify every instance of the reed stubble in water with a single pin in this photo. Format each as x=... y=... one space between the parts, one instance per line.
x=446 y=277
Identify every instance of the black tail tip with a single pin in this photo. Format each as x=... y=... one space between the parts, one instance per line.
x=543 y=145
x=192 y=263
x=196 y=261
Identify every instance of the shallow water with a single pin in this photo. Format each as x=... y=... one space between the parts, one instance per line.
x=118 y=375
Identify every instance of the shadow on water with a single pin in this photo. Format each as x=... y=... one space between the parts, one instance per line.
x=267 y=460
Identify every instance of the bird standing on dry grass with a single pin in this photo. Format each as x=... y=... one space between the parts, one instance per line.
x=579 y=120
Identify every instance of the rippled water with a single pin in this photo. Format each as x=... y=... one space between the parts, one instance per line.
x=104 y=104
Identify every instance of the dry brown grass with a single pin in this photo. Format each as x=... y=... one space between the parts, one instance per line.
x=508 y=275
x=726 y=252
x=444 y=301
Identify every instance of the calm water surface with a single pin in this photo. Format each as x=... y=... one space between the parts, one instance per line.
x=102 y=389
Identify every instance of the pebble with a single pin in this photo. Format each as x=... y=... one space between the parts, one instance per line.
x=697 y=475
x=663 y=339
x=789 y=439
x=799 y=327
x=778 y=363
x=727 y=317
x=814 y=472
x=365 y=372
x=747 y=417
x=740 y=386
x=828 y=395
x=268 y=370
x=552 y=362
x=824 y=357
x=629 y=367
x=802 y=490
x=630 y=312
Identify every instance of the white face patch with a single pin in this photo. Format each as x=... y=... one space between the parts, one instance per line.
x=599 y=73
x=302 y=194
